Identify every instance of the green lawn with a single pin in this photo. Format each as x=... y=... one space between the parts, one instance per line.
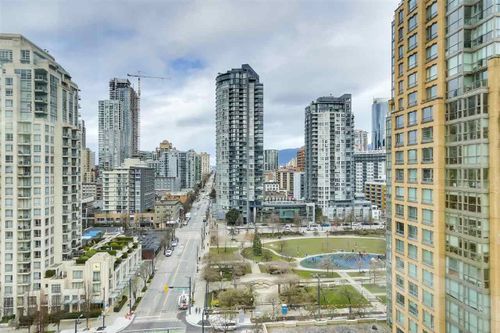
x=309 y=246
x=266 y=255
x=356 y=274
x=339 y=296
x=312 y=275
x=224 y=254
x=375 y=288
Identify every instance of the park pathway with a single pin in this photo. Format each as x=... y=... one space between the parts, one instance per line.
x=376 y=304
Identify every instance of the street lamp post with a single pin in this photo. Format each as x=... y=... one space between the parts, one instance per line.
x=77 y=321
x=319 y=297
x=130 y=295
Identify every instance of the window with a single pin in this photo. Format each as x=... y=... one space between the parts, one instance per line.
x=412 y=118
x=412 y=137
x=427 y=299
x=428 y=320
x=5 y=56
x=56 y=288
x=412 y=42
x=431 y=92
x=412 y=80
x=432 y=31
x=400 y=69
x=413 y=289
x=412 y=99
x=428 y=278
x=412 y=22
x=400 y=122
x=401 y=16
x=96 y=276
x=412 y=175
x=400 y=52
x=400 y=34
x=400 y=246
x=400 y=228
x=412 y=270
x=400 y=299
x=400 y=193
x=427 y=114
x=400 y=282
x=400 y=175
x=431 y=52
x=400 y=210
x=77 y=274
x=8 y=80
x=412 y=61
x=427 y=216
x=431 y=73
x=400 y=87
x=427 y=257
x=427 y=155
x=427 y=134
x=431 y=11
x=412 y=232
x=427 y=176
x=427 y=237
x=412 y=252
x=400 y=264
x=412 y=213
x=412 y=156
x=412 y=194
x=25 y=56
x=400 y=317
x=427 y=196
x=400 y=141
x=412 y=4
x=400 y=157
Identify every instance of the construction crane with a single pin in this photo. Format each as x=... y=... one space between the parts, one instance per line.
x=139 y=76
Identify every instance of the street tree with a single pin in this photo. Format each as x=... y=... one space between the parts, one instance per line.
x=257 y=245
x=232 y=216
x=326 y=264
x=318 y=212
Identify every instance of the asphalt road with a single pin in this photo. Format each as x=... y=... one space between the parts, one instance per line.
x=158 y=311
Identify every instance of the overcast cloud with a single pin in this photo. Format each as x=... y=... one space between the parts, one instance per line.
x=301 y=50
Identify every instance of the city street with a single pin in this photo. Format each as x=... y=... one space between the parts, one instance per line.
x=158 y=310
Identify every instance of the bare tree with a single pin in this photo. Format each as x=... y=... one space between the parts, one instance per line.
x=326 y=264
x=87 y=302
x=144 y=272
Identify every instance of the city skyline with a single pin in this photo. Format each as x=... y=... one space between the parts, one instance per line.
x=189 y=56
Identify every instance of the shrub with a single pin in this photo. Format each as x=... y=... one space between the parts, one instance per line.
x=50 y=273
x=136 y=304
x=144 y=289
x=119 y=305
x=81 y=260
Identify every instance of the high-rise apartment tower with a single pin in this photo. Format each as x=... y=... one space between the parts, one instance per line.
x=239 y=141
x=444 y=193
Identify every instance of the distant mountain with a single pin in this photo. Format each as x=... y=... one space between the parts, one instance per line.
x=286 y=155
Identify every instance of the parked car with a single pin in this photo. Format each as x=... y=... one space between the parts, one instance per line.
x=168 y=253
x=326 y=225
x=175 y=242
x=287 y=227
x=313 y=227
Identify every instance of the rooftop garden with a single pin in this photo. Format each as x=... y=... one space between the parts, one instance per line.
x=117 y=246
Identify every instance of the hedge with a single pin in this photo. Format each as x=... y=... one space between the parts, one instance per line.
x=118 y=306
x=50 y=273
x=136 y=304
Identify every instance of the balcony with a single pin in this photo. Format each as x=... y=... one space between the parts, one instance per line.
x=41 y=78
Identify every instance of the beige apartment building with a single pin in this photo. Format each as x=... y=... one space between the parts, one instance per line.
x=443 y=179
x=40 y=183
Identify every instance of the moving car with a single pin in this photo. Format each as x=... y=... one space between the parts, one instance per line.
x=287 y=227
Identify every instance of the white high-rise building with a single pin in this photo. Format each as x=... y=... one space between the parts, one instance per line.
x=205 y=164
x=271 y=159
x=110 y=116
x=329 y=145
x=40 y=218
x=130 y=188
x=239 y=141
x=360 y=140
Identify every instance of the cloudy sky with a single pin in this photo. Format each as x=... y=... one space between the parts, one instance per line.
x=301 y=50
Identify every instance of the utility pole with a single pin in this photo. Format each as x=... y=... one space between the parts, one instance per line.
x=190 y=298
x=129 y=295
x=204 y=312
x=319 y=298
